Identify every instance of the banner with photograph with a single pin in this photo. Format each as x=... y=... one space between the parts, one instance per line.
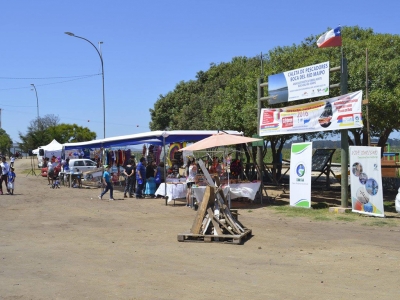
x=366 y=180
x=300 y=174
x=303 y=83
x=342 y=112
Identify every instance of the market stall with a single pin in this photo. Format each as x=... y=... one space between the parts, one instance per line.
x=232 y=187
x=160 y=138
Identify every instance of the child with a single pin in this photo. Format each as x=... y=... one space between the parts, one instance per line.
x=11 y=179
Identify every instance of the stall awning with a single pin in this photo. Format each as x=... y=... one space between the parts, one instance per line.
x=152 y=137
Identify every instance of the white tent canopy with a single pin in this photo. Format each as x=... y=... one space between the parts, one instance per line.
x=54 y=148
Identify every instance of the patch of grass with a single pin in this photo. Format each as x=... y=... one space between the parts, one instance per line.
x=347 y=218
x=249 y=211
x=300 y=212
x=322 y=218
x=380 y=223
x=324 y=215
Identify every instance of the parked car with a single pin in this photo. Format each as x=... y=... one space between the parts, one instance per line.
x=81 y=165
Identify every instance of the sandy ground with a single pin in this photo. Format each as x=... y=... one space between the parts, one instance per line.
x=66 y=244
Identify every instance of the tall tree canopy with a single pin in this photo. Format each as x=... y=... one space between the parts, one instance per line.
x=43 y=130
x=5 y=141
x=225 y=96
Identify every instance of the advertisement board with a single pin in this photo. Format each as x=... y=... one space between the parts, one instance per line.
x=342 y=112
x=303 y=83
x=366 y=180
x=300 y=174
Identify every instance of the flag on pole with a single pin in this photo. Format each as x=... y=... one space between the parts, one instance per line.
x=331 y=38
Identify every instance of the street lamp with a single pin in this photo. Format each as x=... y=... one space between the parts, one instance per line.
x=37 y=102
x=102 y=74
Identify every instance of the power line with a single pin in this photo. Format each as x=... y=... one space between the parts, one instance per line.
x=58 y=82
x=42 y=78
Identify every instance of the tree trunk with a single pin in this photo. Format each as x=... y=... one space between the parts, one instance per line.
x=383 y=139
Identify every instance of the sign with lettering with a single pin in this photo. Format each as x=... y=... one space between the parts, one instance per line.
x=342 y=112
x=303 y=83
x=366 y=180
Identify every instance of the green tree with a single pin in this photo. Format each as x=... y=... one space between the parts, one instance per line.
x=225 y=96
x=43 y=130
x=5 y=142
x=67 y=133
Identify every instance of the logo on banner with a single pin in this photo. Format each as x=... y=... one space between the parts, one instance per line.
x=287 y=122
x=300 y=171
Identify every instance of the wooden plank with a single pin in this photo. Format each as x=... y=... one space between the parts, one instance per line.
x=236 y=239
x=201 y=212
x=220 y=192
x=213 y=220
x=207 y=223
x=389 y=168
x=232 y=221
x=224 y=226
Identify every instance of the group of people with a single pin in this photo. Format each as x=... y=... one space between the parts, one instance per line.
x=7 y=176
x=54 y=167
x=144 y=179
x=141 y=179
x=149 y=177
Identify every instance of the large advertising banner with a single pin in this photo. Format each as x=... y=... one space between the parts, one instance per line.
x=300 y=174
x=302 y=83
x=342 y=112
x=366 y=180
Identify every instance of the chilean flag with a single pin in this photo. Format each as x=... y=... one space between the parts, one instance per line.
x=331 y=38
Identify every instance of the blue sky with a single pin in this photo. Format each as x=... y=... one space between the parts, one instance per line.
x=148 y=47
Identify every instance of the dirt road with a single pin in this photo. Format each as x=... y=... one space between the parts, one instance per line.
x=67 y=244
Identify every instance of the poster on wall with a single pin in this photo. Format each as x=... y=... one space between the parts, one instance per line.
x=366 y=180
x=300 y=174
x=303 y=83
x=342 y=112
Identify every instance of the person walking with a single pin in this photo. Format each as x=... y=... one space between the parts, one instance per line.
x=129 y=173
x=12 y=159
x=107 y=183
x=11 y=181
x=5 y=168
x=140 y=177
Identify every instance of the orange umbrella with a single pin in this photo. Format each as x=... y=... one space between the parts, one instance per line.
x=219 y=139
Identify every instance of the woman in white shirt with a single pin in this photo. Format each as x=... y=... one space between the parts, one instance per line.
x=190 y=179
x=5 y=168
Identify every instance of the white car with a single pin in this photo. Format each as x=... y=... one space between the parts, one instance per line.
x=81 y=165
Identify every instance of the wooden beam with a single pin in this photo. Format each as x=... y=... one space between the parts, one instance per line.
x=213 y=220
x=201 y=212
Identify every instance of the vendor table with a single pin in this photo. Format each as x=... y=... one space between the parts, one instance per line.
x=174 y=191
x=67 y=178
x=237 y=190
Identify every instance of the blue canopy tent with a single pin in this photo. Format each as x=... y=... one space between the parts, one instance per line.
x=153 y=137
x=161 y=138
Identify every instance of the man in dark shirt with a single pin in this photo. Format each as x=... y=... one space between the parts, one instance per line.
x=140 y=177
x=129 y=173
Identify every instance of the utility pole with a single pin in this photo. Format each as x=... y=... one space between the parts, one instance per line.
x=344 y=141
